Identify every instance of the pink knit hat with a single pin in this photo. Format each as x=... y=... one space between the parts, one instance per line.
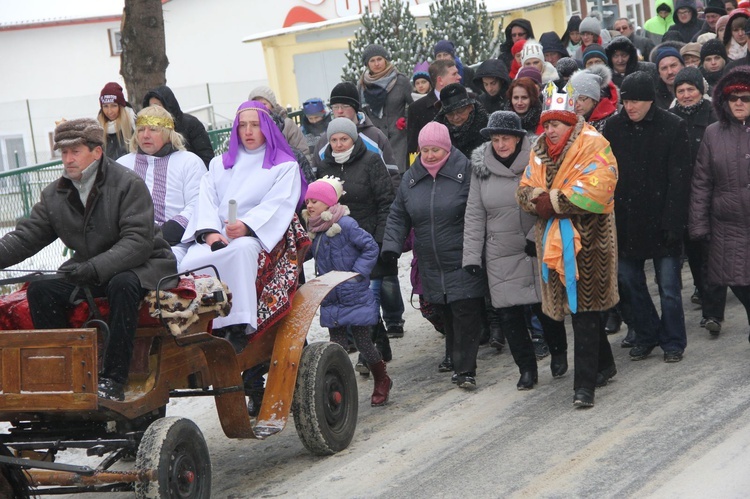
x=435 y=134
x=327 y=190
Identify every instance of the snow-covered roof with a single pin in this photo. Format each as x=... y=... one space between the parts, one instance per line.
x=493 y=6
x=28 y=13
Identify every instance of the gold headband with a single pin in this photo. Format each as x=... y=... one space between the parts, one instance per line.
x=254 y=109
x=154 y=121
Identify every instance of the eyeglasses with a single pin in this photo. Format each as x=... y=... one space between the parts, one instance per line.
x=744 y=98
x=340 y=107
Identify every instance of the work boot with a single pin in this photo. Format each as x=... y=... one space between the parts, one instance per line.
x=383 y=384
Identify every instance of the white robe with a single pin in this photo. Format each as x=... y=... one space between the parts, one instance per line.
x=174 y=183
x=266 y=200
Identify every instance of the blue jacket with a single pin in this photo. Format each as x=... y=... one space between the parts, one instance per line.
x=354 y=250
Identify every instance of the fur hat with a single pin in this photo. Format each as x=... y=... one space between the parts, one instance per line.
x=692 y=76
x=342 y=125
x=503 y=123
x=444 y=46
x=587 y=84
x=328 y=189
x=532 y=49
x=530 y=72
x=314 y=107
x=713 y=47
x=83 y=131
x=374 y=50
x=566 y=67
x=595 y=50
x=590 y=25
x=345 y=93
x=265 y=93
x=638 y=86
x=452 y=97
x=435 y=134
x=112 y=92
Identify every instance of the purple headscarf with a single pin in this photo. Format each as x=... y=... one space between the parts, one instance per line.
x=277 y=148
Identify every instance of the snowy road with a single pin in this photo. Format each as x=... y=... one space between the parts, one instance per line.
x=658 y=430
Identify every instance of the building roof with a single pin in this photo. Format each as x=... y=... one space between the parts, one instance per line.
x=15 y=14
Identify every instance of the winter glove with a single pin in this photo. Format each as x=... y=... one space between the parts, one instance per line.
x=530 y=248
x=217 y=245
x=81 y=274
x=172 y=232
x=401 y=123
x=389 y=257
x=544 y=206
x=671 y=238
x=473 y=269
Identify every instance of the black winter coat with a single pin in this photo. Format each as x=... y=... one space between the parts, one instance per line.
x=653 y=158
x=115 y=231
x=419 y=114
x=505 y=54
x=697 y=124
x=494 y=68
x=466 y=137
x=192 y=130
x=626 y=45
x=435 y=209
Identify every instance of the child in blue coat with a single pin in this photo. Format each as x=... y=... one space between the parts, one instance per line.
x=339 y=243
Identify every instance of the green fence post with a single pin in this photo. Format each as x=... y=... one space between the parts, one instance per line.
x=23 y=186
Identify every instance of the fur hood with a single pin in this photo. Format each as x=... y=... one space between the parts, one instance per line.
x=738 y=74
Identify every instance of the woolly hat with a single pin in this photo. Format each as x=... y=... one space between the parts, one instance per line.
x=594 y=50
x=638 y=86
x=345 y=93
x=551 y=44
x=715 y=7
x=692 y=76
x=314 y=107
x=587 y=84
x=532 y=50
x=702 y=39
x=435 y=134
x=374 y=50
x=444 y=46
x=713 y=47
x=328 y=190
x=566 y=67
x=421 y=70
x=530 y=72
x=590 y=25
x=263 y=92
x=692 y=48
x=517 y=47
x=667 y=51
x=342 y=125
x=83 y=131
x=722 y=22
x=574 y=23
x=112 y=92
x=452 y=97
x=503 y=123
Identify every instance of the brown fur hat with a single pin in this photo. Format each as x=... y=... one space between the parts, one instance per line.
x=81 y=131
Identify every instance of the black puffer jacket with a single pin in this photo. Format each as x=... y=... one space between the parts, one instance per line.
x=623 y=43
x=187 y=125
x=505 y=54
x=435 y=209
x=689 y=29
x=494 y=68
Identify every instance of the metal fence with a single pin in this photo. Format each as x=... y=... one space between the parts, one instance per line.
x=21 y=188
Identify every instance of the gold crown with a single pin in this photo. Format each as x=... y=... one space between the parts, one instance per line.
x=154 y=121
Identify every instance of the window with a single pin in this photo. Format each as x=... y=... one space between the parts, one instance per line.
x=12 y=152
x=115 y=41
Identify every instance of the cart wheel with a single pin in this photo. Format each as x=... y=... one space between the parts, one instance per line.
x=325 y=399
x=175 y=448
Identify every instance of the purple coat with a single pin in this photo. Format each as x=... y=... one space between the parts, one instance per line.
x=351 y=303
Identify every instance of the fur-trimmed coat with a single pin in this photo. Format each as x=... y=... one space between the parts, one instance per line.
x=597 y=259
x=496 y=231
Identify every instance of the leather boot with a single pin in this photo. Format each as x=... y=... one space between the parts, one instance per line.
x=629 y=340
x=559 y=364
x=383 y=384
x=528 y=380
x=614 y=321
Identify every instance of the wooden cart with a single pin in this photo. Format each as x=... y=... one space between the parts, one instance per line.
x=48 y=394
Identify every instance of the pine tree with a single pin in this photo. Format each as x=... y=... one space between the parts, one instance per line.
x=395 y=29
x=468 y=25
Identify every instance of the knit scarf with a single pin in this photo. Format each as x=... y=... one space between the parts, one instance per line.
x=434 y=168
x=325 y=221
x=689 y=110
x=554 y=150
x=342 y=157
x=375 y=87
x=735 y=50
x=166 y=150
x=530 y=119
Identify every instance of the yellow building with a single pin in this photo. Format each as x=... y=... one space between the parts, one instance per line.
x=305 y=61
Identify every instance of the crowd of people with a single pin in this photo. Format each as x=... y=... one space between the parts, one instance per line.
x=529 y=188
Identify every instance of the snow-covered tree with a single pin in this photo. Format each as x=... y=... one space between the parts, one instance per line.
x=395 y=29
x=468 y=25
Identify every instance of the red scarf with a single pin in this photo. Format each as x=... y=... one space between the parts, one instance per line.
x=554 y=150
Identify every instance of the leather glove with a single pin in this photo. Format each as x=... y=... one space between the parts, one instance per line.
x=544 y=206
x=389 y=256
x=172 y=232
x=473 y=269
x=671 y=238
x=217 y=245
x=81 y=274
x=530 y=248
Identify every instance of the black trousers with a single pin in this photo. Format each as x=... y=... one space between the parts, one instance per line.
x=462 y=319
x=592 y=351
x=513 y=325
x=50 y=301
